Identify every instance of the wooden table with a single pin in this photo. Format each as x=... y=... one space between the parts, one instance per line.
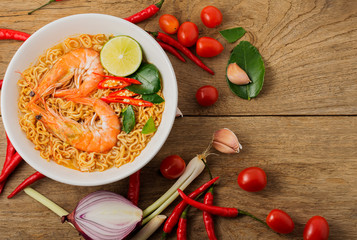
x=301 y=129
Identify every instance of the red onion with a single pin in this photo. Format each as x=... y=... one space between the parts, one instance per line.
x=105 y=215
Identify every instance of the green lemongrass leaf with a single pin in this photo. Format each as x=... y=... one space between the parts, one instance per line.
x=249 y=59
x=149 y=126
x=233 y=34
x=193 y=170
x=46 y=202
x=186 y=174
x=153 y=98
x=149 y=77
x=128 y=119
x=146 y=231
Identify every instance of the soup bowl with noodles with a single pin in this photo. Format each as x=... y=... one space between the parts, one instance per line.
x=59 y=119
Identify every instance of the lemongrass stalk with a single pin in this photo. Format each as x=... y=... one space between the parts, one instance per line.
x=198 y=163
x=187 y=173
x=149 y=228
x=46 y=202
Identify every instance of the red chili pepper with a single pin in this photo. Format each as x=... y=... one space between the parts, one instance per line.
x=49 y=2
x=172 y=50
x=122 y=93
x=13 y=34
x=28 y=181
x=146 y=13
x=220 y=211
x=15 y=160
x=112 y=83
x=215 y=210
x=127 y=100
x=1 y=81
x=176 y=213
x=207 y=217
x=169 y=40
x=134 y=187
x=10 y=150
x=182 y=226
x=129 y=80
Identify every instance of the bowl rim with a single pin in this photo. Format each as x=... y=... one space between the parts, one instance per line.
x=164 y=132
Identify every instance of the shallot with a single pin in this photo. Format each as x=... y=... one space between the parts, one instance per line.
x=105 y=215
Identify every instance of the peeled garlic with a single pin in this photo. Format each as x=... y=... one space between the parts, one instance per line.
x=225 y=141
x=178 y=113
x=237 y=75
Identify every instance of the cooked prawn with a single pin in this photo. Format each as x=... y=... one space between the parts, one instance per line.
x=80 y=64
x=87 y=137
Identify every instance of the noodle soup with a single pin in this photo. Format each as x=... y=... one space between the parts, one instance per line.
x=46 y=130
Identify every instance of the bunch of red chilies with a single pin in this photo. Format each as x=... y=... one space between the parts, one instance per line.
x=179 y=214
x=12 y=160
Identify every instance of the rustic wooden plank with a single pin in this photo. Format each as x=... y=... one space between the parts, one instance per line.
x=310 y=164
x=309 y=52
x=307 y=46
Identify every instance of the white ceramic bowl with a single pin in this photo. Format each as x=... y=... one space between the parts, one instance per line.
x=54 y=33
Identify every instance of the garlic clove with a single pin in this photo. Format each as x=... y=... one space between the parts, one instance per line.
x=225 y=141
x=178 y=113
x=222 y=148
x=237 y=75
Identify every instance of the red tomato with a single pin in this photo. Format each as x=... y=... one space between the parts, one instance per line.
x=316 y=229
x=207 y=95
x=280 y=222
x=211 y=16
x=252 y=179
x=208 y=47
x=187 y=34
x=169 y=23
x=172 y=166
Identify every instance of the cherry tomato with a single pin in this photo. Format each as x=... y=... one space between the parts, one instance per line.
x=208 y=47
x=280 y=222
x=316 y=229
x=207 y=95
x=252 y=179
x=172 y=167
x=211 y=16
x=169 y=23
x=187 y=34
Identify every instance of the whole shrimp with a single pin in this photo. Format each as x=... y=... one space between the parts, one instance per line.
x=80 y=64
x=86 y=138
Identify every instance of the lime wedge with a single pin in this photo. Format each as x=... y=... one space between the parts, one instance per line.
x=121 y=56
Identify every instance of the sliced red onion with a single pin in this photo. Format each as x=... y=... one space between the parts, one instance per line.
x=105 y=215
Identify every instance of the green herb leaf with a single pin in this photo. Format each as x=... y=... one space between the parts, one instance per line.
x=149 y=76
x=154 y=98
x=249 y=59
x=149 y=126
x=128 y=119
x=124 y=109
x=232 y=34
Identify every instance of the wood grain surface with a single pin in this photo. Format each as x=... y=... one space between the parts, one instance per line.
x=301 y=129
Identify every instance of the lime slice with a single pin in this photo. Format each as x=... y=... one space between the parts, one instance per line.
x=121 y=56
